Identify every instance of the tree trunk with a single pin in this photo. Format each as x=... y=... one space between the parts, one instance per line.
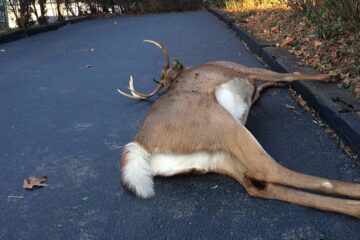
x=58 y=8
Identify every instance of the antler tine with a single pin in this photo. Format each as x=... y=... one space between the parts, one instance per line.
x=135 y=94
x=131 y=87
x=163 y=49
x=130 y=96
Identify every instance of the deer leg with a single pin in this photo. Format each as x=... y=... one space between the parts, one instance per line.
x=265 y=86
x=267 y=75
x=282 y=193
x=262 y=74
x=288 y=177
x=260 y=166
x=278 y=192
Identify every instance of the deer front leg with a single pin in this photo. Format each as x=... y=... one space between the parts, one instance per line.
x=262 y=74
x=265 y=86
x=267 y=75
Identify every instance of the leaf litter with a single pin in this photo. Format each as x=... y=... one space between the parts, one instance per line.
x=284 y=28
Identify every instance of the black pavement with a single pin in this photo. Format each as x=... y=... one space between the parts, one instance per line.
x=60 y=116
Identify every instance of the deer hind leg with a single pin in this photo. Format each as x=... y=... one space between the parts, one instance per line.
x=286 y=194
x=261 y=167
x=274 y=191
x=288 y=177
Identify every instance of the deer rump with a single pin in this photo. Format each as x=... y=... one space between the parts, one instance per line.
x=197 y=126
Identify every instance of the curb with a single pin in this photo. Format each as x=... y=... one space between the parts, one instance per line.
x=19 y=34
x=335 y=106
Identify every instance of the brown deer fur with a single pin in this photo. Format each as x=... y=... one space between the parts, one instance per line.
x=189 y=129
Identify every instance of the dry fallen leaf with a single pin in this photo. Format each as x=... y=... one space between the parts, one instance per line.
x=301 y=102
x=356 y=90
x=298 y=53
x=334 y=54
x=35 y=182
x=275 y=29
x=289 y=106
x=287 y=41
x=317 y=44
x=306 y=39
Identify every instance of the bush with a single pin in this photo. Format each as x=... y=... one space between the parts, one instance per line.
x=330 y=16
x=235 y=5
x=168 y=5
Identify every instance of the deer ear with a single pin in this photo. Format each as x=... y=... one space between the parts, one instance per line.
x=177 y=65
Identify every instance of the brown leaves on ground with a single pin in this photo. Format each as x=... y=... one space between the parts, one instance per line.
x=339 y=55
x=35 y=182
x=357 y=90
x=287 y=41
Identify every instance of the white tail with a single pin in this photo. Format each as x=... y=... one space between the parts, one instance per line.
x=137 y=172
x=197 y=125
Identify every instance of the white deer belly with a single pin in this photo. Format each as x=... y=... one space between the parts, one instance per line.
x=139 y=167
x=201 y=162
x=236 y=97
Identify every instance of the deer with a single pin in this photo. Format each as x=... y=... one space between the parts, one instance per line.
x=197 y=125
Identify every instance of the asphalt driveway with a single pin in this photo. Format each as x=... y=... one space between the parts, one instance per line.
x=60 y=116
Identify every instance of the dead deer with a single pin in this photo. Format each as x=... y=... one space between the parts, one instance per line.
x=197 y=126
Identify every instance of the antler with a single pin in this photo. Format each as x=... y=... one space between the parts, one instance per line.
x=141 y=96
x=163 y=49
x=137 y=95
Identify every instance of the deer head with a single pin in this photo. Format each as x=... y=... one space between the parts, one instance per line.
x=167 y=77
